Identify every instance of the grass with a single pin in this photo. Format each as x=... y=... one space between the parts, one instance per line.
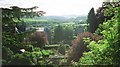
x=33 y=20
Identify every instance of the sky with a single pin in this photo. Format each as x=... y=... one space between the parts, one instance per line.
x=56 y=7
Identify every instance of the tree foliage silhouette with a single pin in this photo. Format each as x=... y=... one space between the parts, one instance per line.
x=92 y=21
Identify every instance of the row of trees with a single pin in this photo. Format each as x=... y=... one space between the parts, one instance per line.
x=63 y=33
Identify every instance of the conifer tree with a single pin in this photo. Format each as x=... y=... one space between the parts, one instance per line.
x=92 y=21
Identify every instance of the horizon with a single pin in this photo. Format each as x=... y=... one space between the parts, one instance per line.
x=56 y=7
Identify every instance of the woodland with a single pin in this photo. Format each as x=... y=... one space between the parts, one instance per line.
x=30 y=38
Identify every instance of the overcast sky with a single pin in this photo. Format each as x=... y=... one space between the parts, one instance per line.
x=56 y=7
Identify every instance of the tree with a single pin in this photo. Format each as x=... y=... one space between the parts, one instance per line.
x=107 y=50
x=68 y=34
x=38 y=38
x=63 y=34
x=79 y=46
x=58 y=34
x=92 y=21
x=12 y=42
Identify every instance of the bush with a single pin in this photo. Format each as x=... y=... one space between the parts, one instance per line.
x=38 y=39
x=62 y=48
x=79 y=46
x=22 y=59
x=6 y=55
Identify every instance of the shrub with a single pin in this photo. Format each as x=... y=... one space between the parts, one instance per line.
x=79 y=46
x=39 y=39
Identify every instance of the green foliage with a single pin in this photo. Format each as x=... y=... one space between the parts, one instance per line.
x=62 y=48
x=13 y=41
x=25 y=58
x=58 y=37
x=6 y=56
x=47 y=52
x=86 y=40
x=35 y=57
x=109 y=11
x=104 y=51
x=63 y=33
x=92 y=21
x=68 y=33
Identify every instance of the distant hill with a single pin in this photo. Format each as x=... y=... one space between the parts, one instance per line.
x=58 y=18
x=63 y=18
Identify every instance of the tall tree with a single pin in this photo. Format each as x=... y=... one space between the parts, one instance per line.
x=68 y=34
x=92 y=21
x=58 y=34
